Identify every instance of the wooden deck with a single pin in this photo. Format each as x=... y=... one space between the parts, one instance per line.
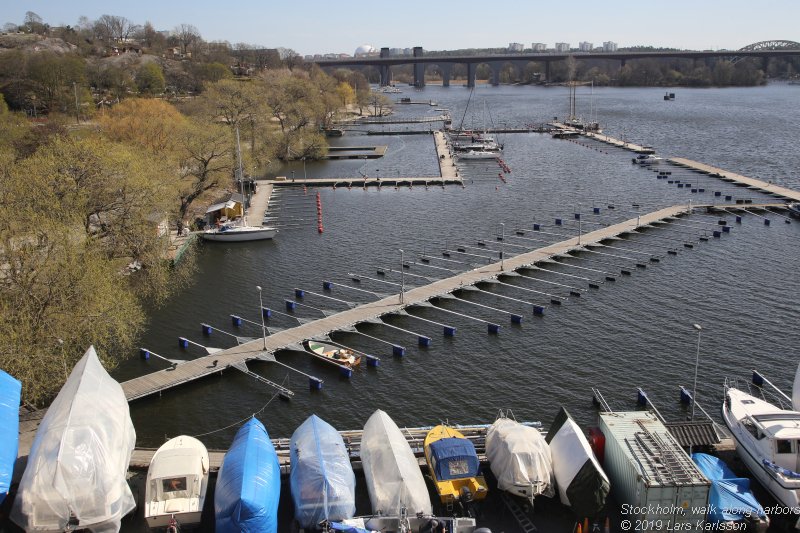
x=157 y=382
x=732 y=177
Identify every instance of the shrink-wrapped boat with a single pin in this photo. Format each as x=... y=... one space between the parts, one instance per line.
x=582 y=483
x=10 y=389
x=249 y=483
x=394 y=479
x=75 y=478
x=520 y=459
x=322 y=479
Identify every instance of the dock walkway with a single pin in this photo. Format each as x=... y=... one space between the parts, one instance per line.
x=263 y=349
x=763 y=186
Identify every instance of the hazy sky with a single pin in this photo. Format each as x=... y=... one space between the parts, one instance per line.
x=316 y=26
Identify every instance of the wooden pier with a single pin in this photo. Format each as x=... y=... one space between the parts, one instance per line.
x=732 y=177
x=264 y=349
x=356 y=152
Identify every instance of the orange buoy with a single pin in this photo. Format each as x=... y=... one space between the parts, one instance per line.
x=607 y=526
x=578 y=528
x=586 y=525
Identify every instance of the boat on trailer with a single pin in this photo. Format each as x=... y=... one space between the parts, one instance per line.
x=766 y=425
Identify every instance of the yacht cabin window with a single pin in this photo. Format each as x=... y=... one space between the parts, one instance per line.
x=784 y=446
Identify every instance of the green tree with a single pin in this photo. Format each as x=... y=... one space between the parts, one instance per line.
x=150 y=79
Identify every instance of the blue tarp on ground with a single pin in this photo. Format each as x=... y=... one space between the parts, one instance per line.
x=10 y=390
x=249 y=483
x=454 y=458
x=730 y=498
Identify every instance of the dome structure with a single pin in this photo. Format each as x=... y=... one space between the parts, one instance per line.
x=364 y=49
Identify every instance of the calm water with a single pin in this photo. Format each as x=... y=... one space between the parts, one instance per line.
x=636 y=331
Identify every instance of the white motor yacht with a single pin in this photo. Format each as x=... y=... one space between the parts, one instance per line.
x=768 y=439
x=646 y=159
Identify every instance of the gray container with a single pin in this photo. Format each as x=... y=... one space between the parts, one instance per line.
x=652 y=478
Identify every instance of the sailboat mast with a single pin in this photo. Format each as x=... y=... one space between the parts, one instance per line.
x=239 y=175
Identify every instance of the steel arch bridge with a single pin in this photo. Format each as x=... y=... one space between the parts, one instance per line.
x=767 y=45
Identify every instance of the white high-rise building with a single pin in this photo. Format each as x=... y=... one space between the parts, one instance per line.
x=516 y=47
x=538 y=47
x=562 y=47
x=609 y=46
x=583 y=46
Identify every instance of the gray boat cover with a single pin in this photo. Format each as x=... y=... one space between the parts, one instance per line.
x=75 y=478
x=519 y=457
x=394 y=479
x=582 y=484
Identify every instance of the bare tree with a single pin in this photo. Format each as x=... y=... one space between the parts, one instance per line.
x=114 y=28
x=187 y=35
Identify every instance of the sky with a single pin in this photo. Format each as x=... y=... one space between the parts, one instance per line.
x=317 y=26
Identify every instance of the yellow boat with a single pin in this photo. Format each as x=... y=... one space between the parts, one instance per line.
x=454 y=465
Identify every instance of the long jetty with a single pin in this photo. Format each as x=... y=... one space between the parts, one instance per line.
x=264 y=349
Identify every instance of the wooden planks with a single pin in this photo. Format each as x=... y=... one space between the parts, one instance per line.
x=737 y=178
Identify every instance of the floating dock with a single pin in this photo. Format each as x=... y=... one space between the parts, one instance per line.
x=356 y=152
x=264 y=349
x=732 y=177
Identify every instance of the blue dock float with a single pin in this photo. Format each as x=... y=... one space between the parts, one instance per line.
x=206 y=329
x=686 y=396
x=144 y=354
x=236 y=320
x=398 y=351
x=183 y=342
x=290 y=305
x=314 y=383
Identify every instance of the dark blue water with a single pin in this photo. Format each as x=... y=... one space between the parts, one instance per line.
x=635 y=331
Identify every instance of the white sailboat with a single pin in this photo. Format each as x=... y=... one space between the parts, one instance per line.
x=237 y=232
x=766 y=427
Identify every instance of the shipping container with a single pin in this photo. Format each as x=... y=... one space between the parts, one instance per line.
x=652 y=477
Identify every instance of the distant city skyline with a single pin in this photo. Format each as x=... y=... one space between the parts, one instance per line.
x=316 y=27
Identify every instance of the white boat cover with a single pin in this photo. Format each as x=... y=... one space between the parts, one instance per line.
x=75 y=478
x=796 y=390
x=519 y=457
x=582 y=483
x=394 y=479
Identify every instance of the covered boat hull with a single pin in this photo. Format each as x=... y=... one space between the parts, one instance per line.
x=79 y=459
x=394 y=479
x=454 y=465
x=582 y=484
x=322 y=479
x=249 y=483
x=520 y=459
x=10 y=390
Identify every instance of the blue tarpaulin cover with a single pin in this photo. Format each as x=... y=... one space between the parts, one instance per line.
x=454 y=458
x=336 y=526
x=730 y=498
x=10 y=390
x=249 y=483
x=322 y=479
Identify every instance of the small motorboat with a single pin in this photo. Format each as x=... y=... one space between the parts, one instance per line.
x=235 y=233
x=582 y=483
x=794 y=209
x=322 y=479
x=77 y=467
x=647 y=159
x=177 y=480
x=332 y=353
x=731 y=502
x=249 y=483
x=394 y=480
x=454 y=466
x=10 y=390
x=520 y=459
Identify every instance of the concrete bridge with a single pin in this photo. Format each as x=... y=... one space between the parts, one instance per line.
x=764 y=50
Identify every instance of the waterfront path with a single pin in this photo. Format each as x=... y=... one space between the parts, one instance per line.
x=263 y=349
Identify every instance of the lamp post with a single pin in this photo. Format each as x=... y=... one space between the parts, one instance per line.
x=305 y=176
x=502 y=246
x=696 y=363
x=292 y=175
x=402 y=279
x=261 y=311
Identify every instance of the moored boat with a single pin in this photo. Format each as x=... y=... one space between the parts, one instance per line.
x=582 y=483
x=76 y=472
x=322 y=480
x=767 y=437
x=476 y=154
x=794 y=209
x=236 y=233
x=10 y=390
x=454 y=466
x=332 y=353
x=520 y=459
x=646 y=159
x=176 y=485
x=394 y=480
x=731 y=502
x=249 y=483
